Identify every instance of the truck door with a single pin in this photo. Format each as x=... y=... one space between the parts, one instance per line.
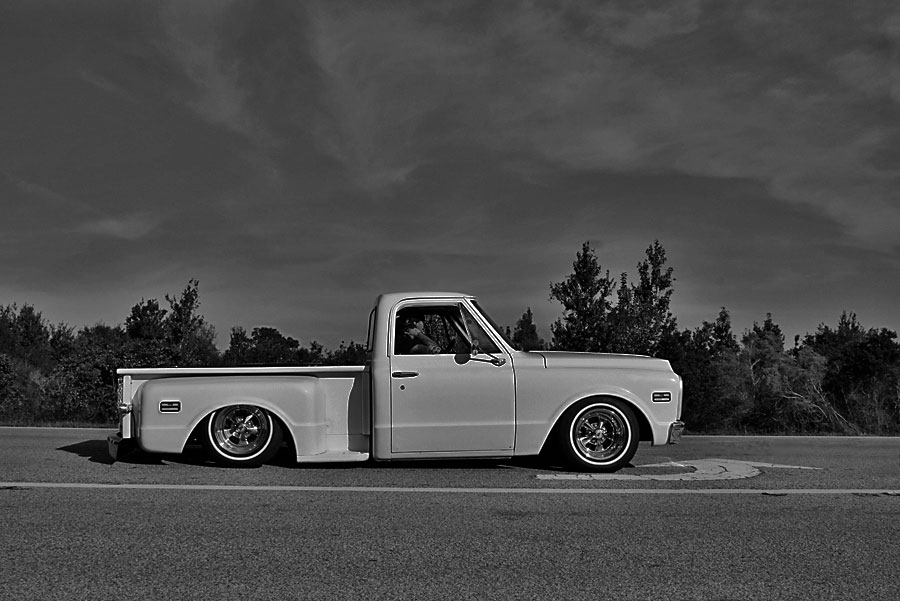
x=442 y=398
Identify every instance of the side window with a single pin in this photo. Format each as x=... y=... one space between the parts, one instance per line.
x=485 y=342
x=423 y=330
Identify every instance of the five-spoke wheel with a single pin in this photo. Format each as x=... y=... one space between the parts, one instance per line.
x=242 y=435
x=598 y=435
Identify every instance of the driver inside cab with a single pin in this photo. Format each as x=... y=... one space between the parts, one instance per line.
x=412 y=339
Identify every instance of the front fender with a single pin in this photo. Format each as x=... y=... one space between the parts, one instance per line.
x=634 y=401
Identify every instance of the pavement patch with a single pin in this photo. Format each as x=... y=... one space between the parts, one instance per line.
x=704 y=469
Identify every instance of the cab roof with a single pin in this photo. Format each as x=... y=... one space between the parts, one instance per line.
x=396 y=297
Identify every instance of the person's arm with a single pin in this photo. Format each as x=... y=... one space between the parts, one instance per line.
x=416 y=333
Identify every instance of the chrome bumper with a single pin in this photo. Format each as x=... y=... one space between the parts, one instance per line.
x=675 y=432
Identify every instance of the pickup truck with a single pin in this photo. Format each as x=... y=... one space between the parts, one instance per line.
x=440 y=381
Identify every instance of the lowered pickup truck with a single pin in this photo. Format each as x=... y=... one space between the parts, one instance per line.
x=440 y=381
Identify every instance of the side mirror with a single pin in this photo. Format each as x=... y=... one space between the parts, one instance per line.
x=493 y=360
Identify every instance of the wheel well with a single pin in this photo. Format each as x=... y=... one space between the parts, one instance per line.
x=645 y=432
x=287 y=437
x=196 y=436
x=643 y=423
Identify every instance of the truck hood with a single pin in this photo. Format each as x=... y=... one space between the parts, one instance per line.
x=602 y=360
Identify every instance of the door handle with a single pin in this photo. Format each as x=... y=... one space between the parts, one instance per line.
x=405 y=374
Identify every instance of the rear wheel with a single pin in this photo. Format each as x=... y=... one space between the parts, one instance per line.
x=598 y=435
x=242 y=436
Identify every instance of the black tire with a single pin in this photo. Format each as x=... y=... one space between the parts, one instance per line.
x=598 y=435
x=242 y=436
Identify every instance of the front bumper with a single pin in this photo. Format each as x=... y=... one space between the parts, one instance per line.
x=676 y=429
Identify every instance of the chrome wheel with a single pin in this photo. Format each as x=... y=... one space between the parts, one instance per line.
x=600 y=433
x=242 y=435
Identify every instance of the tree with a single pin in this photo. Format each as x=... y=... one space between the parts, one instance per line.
x=191 y=338
x=146 y=321
x=642 y=319
x=82 y=387
x=271 y=346
x=525 y=336
x=316 y=354
x=584 y=295
x=25 y=335
x=347 y=354
x=62 y=342
x=639 y=322
x=240 y=348
x=27 y=355
x=715 y=379
x=13 y=404
x=764 y=349
x=786 y=387
x=264 y=346
x=856 y=356
x=862 y=372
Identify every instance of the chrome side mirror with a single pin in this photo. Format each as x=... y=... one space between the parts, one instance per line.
x=493 y=360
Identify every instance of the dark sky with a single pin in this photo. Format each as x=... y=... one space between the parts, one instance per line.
x=299 y=158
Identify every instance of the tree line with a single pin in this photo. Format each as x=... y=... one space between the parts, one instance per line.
x=839 y=379
x=842 y=379
x=54 y=374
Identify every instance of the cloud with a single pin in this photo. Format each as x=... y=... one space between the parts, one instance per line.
x=104 y=83
x=383 y=76
x=194 y=40
x=608 y=98
x=130 y=228
x=39 y=191
x=643 y=28
x=383 y=90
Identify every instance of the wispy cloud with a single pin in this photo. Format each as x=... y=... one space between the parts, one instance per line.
x=103 y=83
x=131 y=227
x=194 y=41
x=642 y=28
x=39 y=191
x=383 y=76
x=89 y=219
x=462 y=144
x=630 y=88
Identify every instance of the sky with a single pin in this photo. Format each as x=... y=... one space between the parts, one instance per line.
x=300 y=158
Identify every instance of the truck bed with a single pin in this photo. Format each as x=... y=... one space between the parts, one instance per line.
x=324 y=409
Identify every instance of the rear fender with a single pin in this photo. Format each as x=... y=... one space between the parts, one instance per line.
x=172 y=408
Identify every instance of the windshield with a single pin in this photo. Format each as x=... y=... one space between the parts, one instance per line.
x=498 y=329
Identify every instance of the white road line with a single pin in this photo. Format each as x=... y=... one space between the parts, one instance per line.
x=486 y=491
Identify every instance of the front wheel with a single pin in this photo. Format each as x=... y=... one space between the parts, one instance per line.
x=242 y=436
x=598 y=435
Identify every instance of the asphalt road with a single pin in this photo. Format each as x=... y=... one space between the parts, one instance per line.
x=75 y=526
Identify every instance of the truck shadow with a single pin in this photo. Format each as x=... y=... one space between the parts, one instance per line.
x=462 y=464
x=96 y=451
x=288 y=461
x=93 y=450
